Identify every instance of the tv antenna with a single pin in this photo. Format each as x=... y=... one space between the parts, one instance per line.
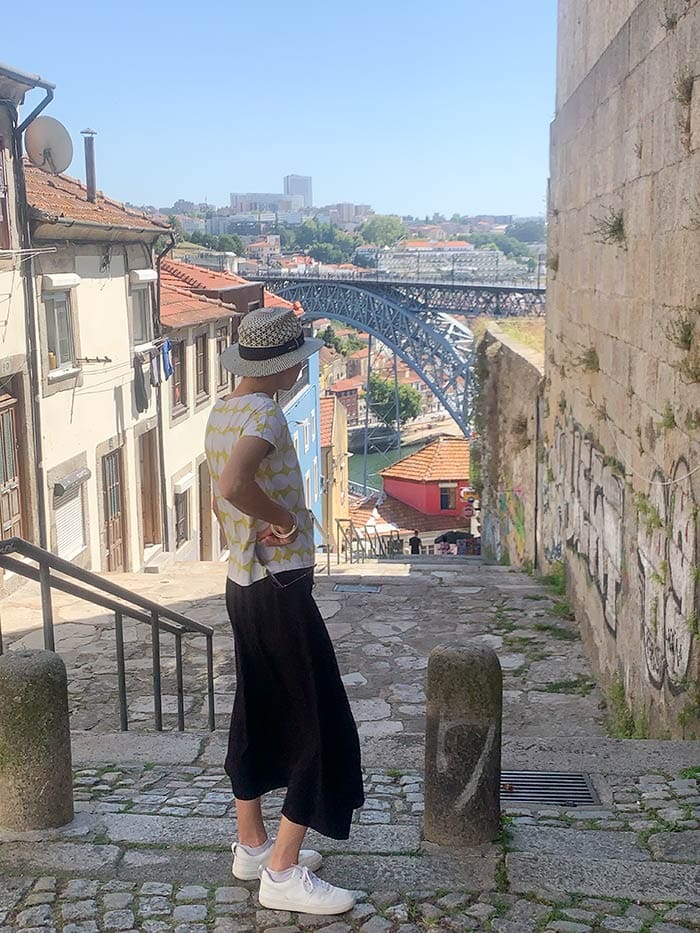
x=48 y=145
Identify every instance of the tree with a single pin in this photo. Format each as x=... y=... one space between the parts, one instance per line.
x=383 y=229
x=176 y=227
x=383 y=403
x=527 y=231
x=230 y=243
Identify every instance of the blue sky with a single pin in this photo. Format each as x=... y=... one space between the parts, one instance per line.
x=411 y=107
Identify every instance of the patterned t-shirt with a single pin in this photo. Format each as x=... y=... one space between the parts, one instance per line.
x=279 y=476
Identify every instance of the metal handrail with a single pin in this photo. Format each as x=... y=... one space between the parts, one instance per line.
x=326 y=540
x=159 y=618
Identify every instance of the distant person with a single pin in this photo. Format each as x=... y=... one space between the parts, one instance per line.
x=291 y=724
x=415 y=543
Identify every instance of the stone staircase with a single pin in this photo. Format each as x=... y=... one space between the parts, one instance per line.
x=149 y=848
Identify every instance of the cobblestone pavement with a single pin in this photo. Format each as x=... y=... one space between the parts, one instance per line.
x=149 y=847
x=382 y=641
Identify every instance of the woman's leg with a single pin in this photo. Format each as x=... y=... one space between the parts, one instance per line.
x=251 y=829
x=286 y=850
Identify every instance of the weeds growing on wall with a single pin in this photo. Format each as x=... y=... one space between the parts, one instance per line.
x=689 y=369
x=683 y=93
x=647 y=512
x=589 y=361
x=552 y=263
x=689 y=716
x=668 y=419
x=610 y=228
x=680 y=331
x=556 y=578
x=621 y=723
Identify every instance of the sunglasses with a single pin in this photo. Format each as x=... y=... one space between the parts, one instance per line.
x=271 y=576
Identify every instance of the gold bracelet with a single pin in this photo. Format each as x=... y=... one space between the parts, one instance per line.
x=287 y=534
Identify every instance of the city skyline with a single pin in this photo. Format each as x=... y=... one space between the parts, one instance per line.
x=412 y=113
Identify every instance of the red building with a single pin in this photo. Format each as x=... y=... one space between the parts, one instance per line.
x=434 y=480
x=348 y=393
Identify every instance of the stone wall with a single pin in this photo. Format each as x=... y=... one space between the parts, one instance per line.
x=508 y=417
x=621 y=433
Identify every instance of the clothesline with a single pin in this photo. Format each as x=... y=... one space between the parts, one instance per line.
x=156 y=356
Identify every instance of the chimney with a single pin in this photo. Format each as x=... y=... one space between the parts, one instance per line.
x=90 y=178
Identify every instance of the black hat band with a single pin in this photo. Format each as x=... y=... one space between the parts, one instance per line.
x=269 y=353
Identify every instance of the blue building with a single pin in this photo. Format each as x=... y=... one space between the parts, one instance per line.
x=302 y=410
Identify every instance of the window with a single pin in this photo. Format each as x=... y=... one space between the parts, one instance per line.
x=179 y=376
x=141 y=311
x=59 y=330
x=70 y=527
x=315 y=478
x=182 y=517
x=313 y=424
x=296 y=443
x=448 y=497
x=307 y=487
x=221 y=344
x=4 y=201
x=201 y=350
x=306 y=435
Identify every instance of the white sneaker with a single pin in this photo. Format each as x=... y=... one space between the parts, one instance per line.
x=248 y=867
x=304 y=893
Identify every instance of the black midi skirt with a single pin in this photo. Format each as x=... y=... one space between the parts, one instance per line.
x=291 y=724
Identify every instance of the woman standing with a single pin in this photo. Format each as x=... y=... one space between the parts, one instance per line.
x=291 y=724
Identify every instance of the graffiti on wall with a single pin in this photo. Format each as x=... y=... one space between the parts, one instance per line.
x=582 y=504
x=503 y=533
x=666 y=574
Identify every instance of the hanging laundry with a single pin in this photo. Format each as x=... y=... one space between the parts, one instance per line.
x=141 y=388
x=167 y=362
x=156 y=378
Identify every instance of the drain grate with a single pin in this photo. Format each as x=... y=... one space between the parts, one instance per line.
x=357 y=588
x=558 y=788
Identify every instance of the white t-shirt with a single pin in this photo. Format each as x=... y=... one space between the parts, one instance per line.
x=279 y=476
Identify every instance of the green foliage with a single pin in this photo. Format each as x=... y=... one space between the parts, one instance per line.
x=580 y=686
x=683 y=88
x=556 y=631
x=527 y=231
x=668 y=419
x=383 y=403
x=691 y=773
x=610 y=228
x=509 y=246
x=589 y=361
x=324 y=242
x=619 y=724
x=680 y=332
x=342 y=345
x=383 y=229
x=475 y=477
x=689 y=369
x=555 y=580
x=226 y=243
x=177 y=229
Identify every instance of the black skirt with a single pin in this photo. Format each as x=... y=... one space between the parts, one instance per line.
x=291 y=724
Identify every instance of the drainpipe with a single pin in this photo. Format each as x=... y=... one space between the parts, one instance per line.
x=159 y=403
x=28 y=273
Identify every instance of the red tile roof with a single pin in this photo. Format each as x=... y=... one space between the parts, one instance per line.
x=198 y=277
x=404 y=517
x=180 y=308
x=446 y=460
x=328 y=404
x=345 y=385
x=54 y=197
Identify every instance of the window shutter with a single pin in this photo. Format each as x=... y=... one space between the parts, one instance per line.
x=70 y=532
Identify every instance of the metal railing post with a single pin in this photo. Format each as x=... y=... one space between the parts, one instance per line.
x=46 y=607
x=210 y=682
x=180 y=687
x=121 y=671
x=157 y=698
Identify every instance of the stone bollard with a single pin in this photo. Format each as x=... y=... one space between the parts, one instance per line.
x=463 y=746
x=36 y=787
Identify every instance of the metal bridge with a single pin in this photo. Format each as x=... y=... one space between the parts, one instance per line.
x=417 y=321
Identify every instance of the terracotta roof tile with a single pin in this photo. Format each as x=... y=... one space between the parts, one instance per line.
x=328 y=404
x=180 y=308
x=199 y=277
x=53 y=197
x=404 y=517
x=345 y=385
x=446 y=459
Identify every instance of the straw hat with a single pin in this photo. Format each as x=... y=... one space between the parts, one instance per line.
x=270 y=340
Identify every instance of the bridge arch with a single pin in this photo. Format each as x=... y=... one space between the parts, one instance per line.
x=437 y=347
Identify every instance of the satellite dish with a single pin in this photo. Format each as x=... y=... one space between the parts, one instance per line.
x=48 y=145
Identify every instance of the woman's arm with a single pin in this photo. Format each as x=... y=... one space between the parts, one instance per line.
x=238 y=486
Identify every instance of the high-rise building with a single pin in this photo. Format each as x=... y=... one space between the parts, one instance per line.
x=299 y=184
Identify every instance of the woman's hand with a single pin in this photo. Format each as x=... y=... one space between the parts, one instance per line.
x=268 y=537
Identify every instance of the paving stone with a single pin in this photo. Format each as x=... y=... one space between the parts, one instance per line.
x=41 y=897
x=668 y=928
x=192 y=892
x=87 y=926
x=376 y=925
x=117 y=901
x=622 y=924
x=683 y=846
x=640 y=912
x=268 y=918
x=582 y=916
x=683 y=913
x=79 y=888
x=157 y=888
x=154 y=906
x=79 y=910
x=38 y=916
x=231 y=895
x=190 y=913
x=585 y=843
x=45 y=884
x=337 y=927
x=191 y=928
x=118 y=920
x=450 y=901
x=362 y=911
x=481 y=911
x=568 y=926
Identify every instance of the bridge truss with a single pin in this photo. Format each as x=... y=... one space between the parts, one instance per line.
x=418 y=322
